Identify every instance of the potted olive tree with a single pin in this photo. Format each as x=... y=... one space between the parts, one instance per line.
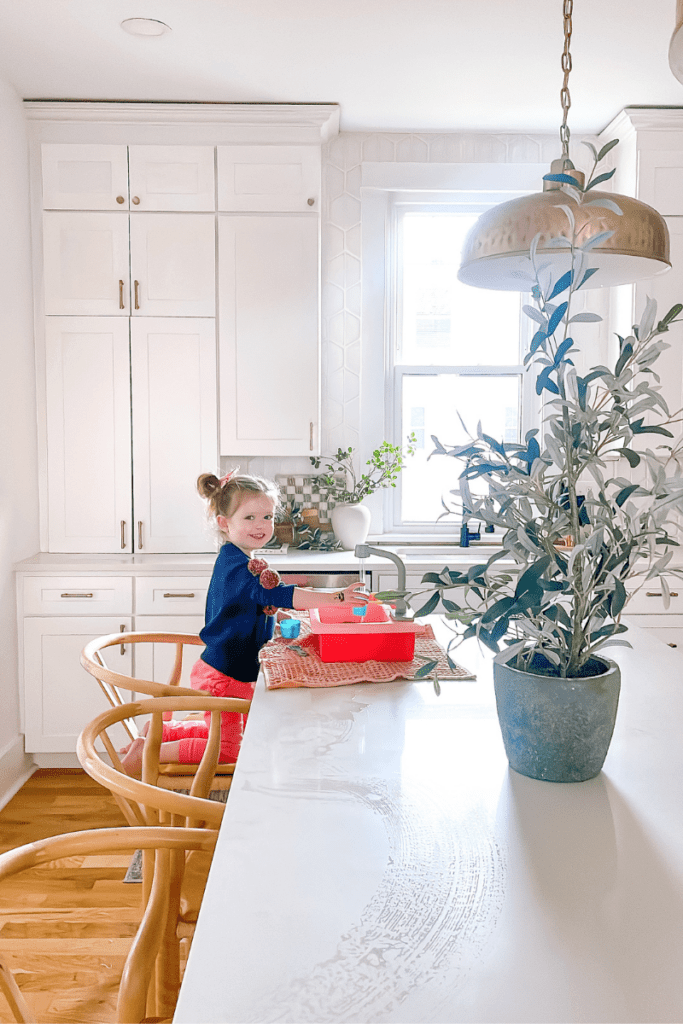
x=347 y=489
x=576 y=528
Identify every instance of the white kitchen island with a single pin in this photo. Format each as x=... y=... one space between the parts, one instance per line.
x=379 y=861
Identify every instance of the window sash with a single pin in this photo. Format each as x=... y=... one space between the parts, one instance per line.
x=529 y=411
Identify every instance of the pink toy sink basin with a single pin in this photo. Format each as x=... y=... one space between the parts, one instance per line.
x=343 y=636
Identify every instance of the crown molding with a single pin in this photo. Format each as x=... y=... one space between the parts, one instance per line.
x=639 y=119
x=319 y=118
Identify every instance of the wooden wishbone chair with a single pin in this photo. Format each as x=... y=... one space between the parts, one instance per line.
x=144 y=802
x=119 y=688
x=147 y=947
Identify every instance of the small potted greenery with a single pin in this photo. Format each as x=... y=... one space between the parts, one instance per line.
x=347 y=489
x=575 y=527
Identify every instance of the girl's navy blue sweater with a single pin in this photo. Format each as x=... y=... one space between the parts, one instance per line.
x=236 y=625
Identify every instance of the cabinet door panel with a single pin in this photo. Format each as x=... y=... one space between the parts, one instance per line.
x=172 y=177
x=660 y=181
x=61 y=698
x=173 y=260
x=174 y=430
x=269 y=335
x=84 y=177
x=268 y=178
x=86 y=264
x=88 y=426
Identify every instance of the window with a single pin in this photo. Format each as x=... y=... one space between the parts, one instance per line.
x=455 y=357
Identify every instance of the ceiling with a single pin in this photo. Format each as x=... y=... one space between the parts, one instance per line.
x=392 y=65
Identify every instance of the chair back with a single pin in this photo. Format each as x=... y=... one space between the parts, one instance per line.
x=143 y=801
x=118 y=687
x=142 y=967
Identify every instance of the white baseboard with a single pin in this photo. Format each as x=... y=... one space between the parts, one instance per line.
x=16 y=767
x=43 y=760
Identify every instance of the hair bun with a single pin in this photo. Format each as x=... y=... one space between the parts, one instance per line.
x=208 y=484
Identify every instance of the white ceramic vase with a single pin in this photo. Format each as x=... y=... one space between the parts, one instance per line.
x=351 y=524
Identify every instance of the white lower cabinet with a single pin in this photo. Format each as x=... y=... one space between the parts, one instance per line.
x=672 y=636
x=59 y=615
x=60 y=696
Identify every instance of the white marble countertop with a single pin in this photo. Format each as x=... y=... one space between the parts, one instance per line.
x=379 y=861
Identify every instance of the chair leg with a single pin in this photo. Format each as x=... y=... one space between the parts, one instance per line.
x=138 y=973
x=168 y=958
x=21 y=1011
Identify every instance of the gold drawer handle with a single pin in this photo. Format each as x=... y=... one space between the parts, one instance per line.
x=658 y=593
x=178 y=595
x=136 y=288
x=122 y=304
x=78 y=595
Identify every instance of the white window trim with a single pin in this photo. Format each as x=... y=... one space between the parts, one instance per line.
x=483 y=184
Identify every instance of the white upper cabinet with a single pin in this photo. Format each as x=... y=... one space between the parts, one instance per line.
x=173 y=259
x=269 y=178
x=86 y=264
x=87 y=258
x=174 y=430
x=667 y=290
x=269 y=334
x=172 y=178
x=87 y=379
x=96 y=177
x=84 y=177
x=660 y=180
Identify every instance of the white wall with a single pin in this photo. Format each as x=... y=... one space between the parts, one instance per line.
x=18 y=453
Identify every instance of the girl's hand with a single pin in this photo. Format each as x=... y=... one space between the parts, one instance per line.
x=356 y=596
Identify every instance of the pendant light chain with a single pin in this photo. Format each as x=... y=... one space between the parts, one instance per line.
x=566 y=67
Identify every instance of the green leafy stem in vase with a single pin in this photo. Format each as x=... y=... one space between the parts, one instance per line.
x=346 y=487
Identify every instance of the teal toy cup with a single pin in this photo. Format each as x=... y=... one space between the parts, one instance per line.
x=290 y=628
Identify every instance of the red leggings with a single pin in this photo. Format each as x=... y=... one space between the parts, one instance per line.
x=193 y=735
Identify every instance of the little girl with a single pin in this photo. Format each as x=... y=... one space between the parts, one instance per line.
x=243 y=598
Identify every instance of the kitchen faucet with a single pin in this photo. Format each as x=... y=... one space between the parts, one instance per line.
x=401 y=606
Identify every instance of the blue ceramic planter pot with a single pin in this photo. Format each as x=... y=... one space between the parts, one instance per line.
x=558 y=730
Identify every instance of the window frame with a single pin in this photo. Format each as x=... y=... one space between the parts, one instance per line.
x=401 y=202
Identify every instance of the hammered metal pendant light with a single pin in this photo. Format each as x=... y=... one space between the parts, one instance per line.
x=496 y=251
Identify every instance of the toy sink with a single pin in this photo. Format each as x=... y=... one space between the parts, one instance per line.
x=343 y=636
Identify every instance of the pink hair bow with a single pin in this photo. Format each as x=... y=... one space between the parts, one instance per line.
x=228 y=476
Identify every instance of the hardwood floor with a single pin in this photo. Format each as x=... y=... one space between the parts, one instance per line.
x=65 y=929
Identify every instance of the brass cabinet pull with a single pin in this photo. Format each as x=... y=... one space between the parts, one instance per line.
x=310 y=436
x=136 y=200
x=120 y=199
x=123 y=534
x=121 y=302
x=658 y=593
x=78 y=595
x=311 y=202
x=140 y=534
x=672 y=645
x=137 y=294
x=178 y=595
x=122 y=629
